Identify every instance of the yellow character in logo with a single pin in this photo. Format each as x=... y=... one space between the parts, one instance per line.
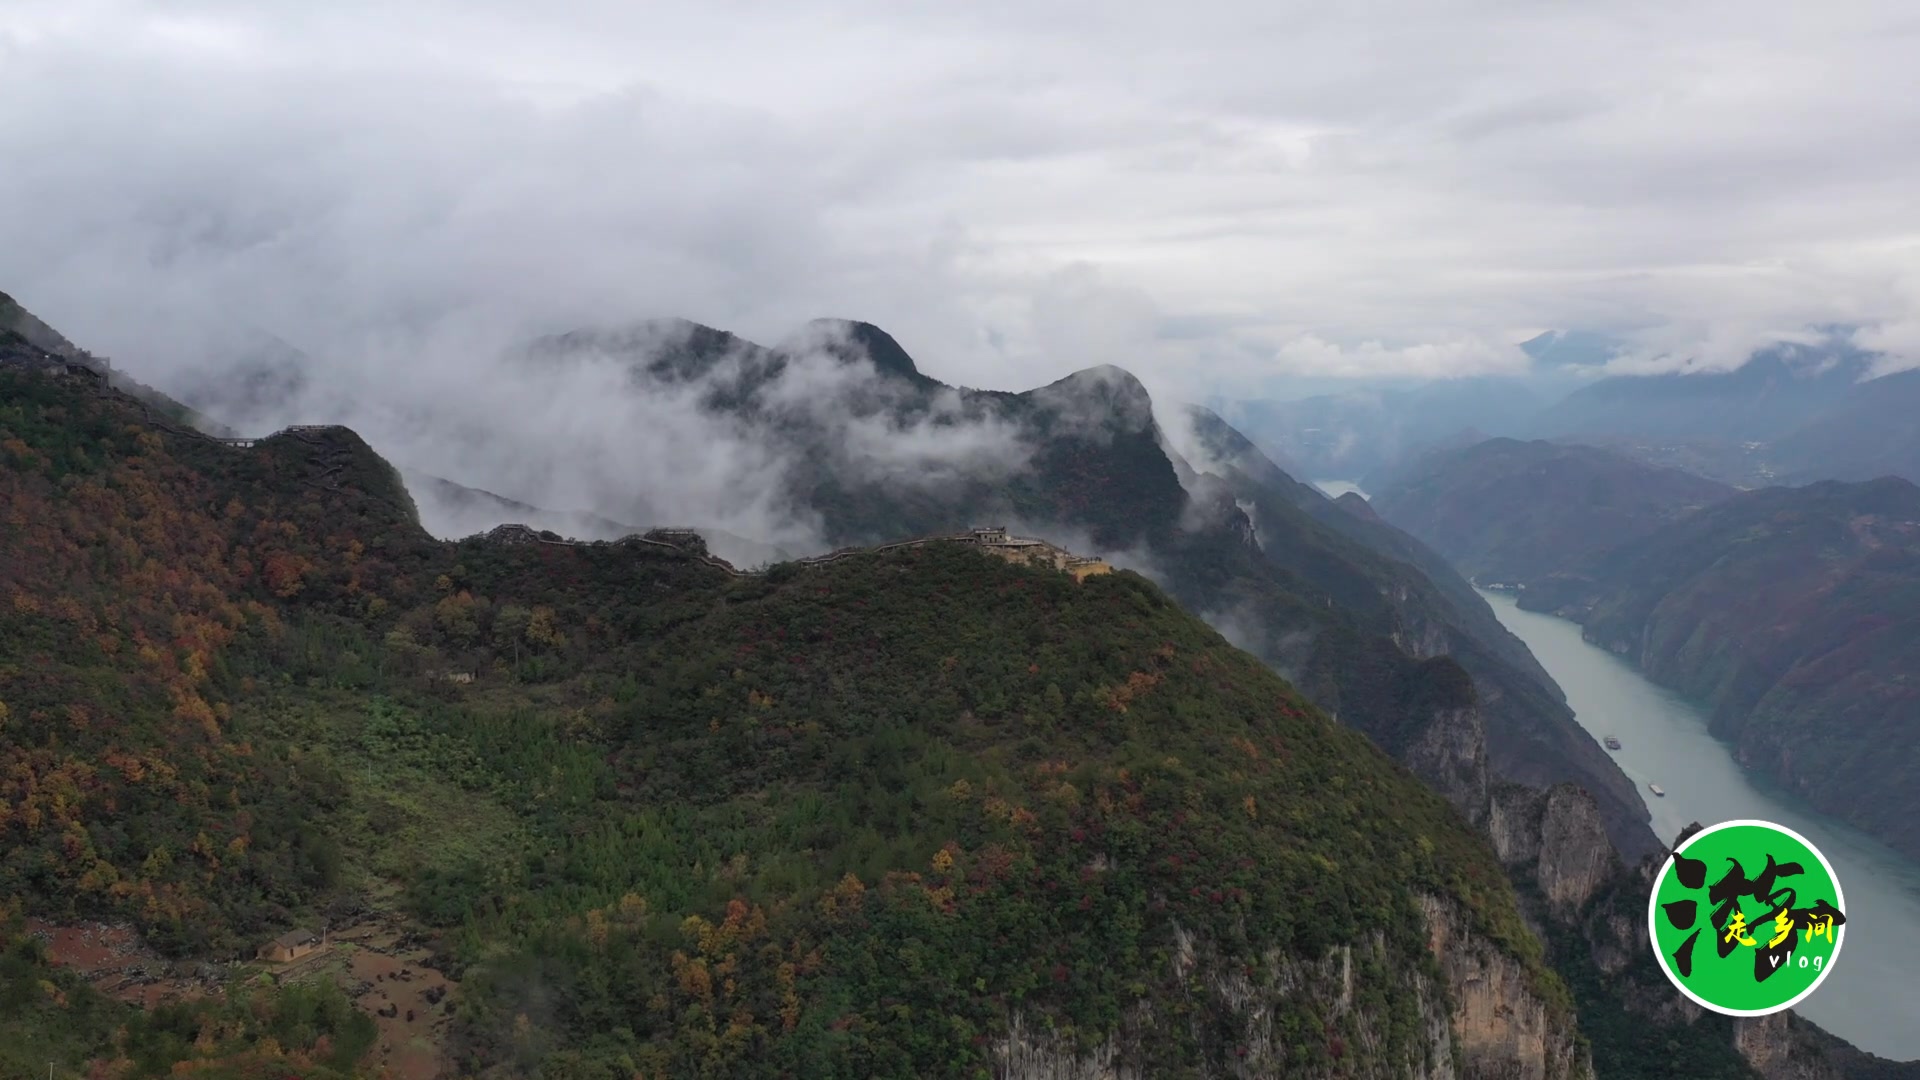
x=1782 y=928
x=1820 y=926
x=1737 y=928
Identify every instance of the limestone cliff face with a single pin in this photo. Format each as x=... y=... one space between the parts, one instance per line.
x=1555 y=840
x=1450 y=754
x=1513 y=823
x=1575 y=858
x=1775 y=1050
x=1786 y=1047
x=1481 y=1019
x=1419 y=634
x=1502 y=1029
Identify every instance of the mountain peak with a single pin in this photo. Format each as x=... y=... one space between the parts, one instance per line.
x=1357 y=505
x=1106 y=382
x=17 y=319
x=1105 y=395
x=849 y=339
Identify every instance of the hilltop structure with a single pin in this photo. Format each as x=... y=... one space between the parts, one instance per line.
x=1028 y=551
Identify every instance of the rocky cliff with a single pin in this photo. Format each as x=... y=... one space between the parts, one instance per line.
x=1591 y=909
x=1503 y=1029
x=1482 y=1016
x=1786 y=1046
x=1450 y=754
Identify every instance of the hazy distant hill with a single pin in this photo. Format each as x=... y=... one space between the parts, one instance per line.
x=1345 y=436
x=1510 y=511
x=452 y=511
x=1872 y=431
x=1776 y=390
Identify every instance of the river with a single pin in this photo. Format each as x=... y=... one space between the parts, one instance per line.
x=1872 y=999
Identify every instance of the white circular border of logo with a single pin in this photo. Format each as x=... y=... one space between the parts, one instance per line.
x=1653 y=919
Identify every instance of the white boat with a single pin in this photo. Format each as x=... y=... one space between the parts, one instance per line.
x=1612 y=743
x=1655 y=788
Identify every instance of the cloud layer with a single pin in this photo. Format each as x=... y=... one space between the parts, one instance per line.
x=1211 y=193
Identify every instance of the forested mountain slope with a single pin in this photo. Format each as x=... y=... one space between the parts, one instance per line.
x=919 y=814
x=911 y=815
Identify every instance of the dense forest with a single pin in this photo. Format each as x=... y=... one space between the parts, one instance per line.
x=841 y=820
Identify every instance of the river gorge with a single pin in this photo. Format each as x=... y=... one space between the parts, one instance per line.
x=1872 y=999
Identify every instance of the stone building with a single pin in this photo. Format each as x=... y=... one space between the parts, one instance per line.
x=291 y=946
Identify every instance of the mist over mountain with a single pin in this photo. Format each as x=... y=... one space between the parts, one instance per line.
x=834 y=437
x=1350 y=435
x=747 y=752
x=1775 y=390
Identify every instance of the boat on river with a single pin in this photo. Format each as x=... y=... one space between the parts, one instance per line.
x=1612 y=743
x=1655 y=788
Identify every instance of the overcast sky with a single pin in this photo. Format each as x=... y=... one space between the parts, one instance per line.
x=1211 y=192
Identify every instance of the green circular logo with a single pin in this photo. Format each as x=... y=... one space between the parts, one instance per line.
x=1746 y=917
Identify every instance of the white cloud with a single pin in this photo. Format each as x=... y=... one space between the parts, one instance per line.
x=1209 y=193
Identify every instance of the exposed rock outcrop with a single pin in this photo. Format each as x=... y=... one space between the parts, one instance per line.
x=1785 y=1046
x=1450 y=754
x=1482 y=1019
x=1778 y=1050
x=1503 y=1028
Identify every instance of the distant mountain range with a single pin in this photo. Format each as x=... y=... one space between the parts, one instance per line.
x=1776 y=390
x=1793 y=412
x=1873 y=430
x=1512 y=512
x=1794 y=613
x=1348 y=435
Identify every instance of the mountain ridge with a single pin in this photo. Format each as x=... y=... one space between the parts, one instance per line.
x=797 y=801
x=1082 y=461
x=1511 y=512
